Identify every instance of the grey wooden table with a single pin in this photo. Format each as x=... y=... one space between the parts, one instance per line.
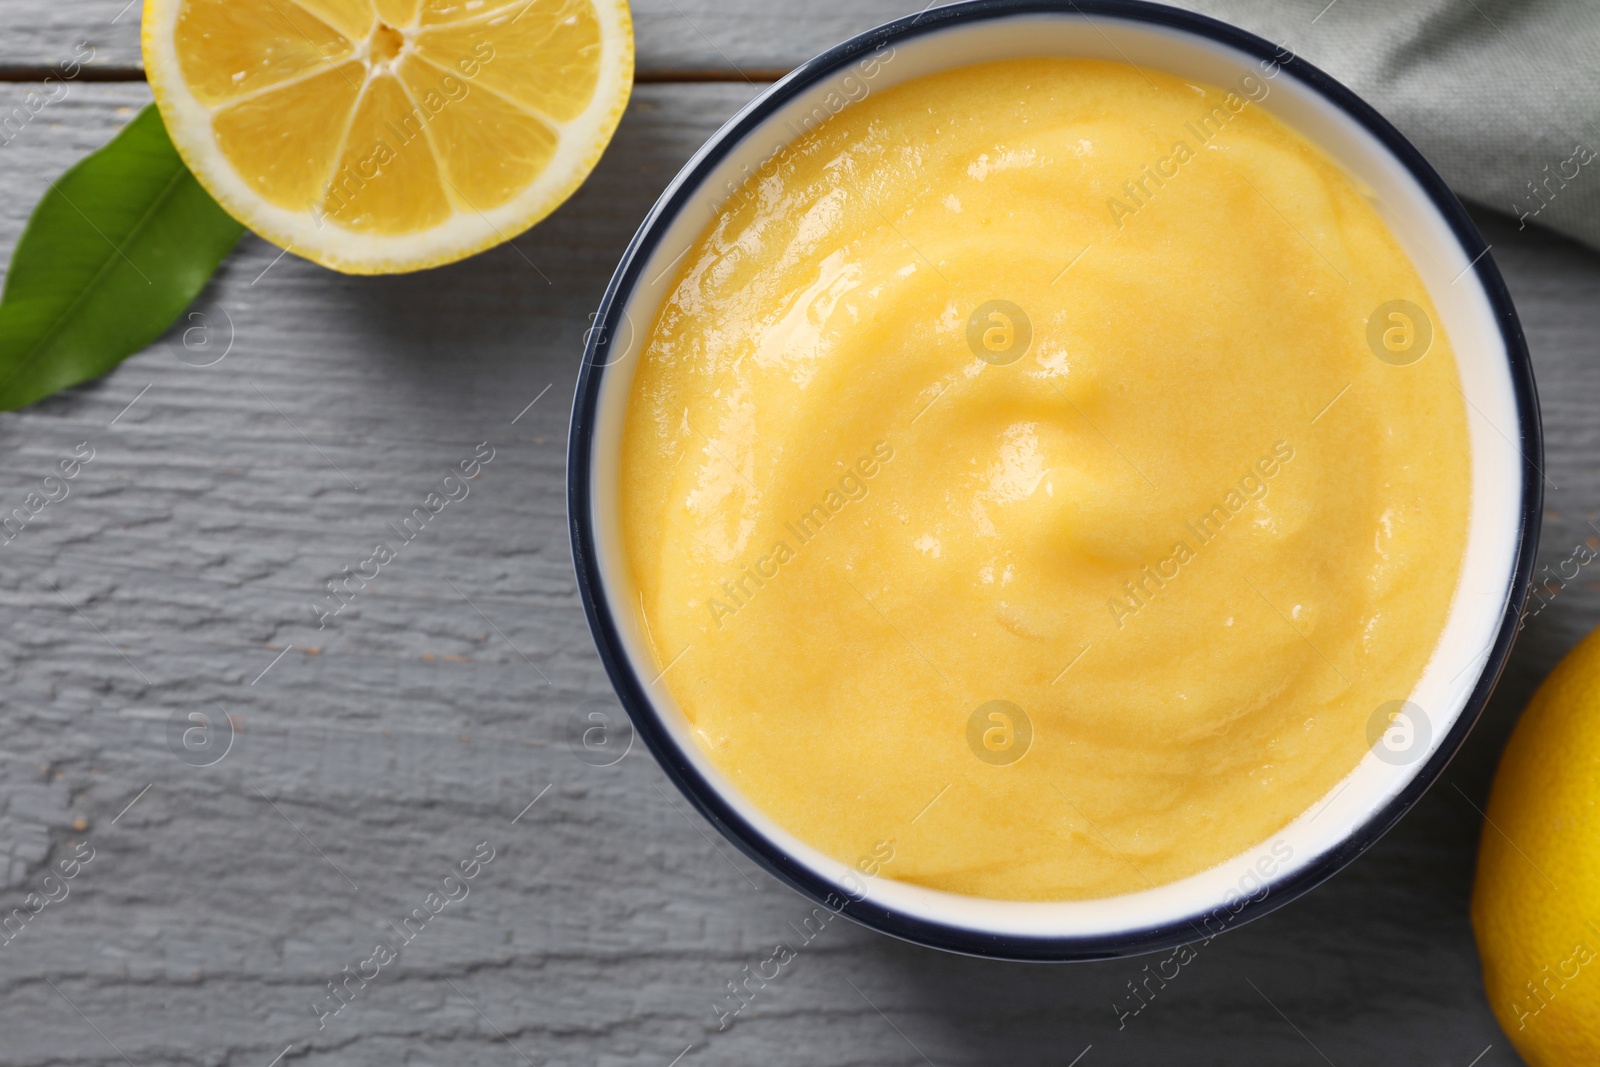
x=244 y=460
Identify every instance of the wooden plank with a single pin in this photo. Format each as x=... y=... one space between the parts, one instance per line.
x=725 y=36
x=423 y=719
x=40 y=34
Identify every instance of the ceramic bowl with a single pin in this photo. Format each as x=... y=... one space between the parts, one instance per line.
x=1464 y=285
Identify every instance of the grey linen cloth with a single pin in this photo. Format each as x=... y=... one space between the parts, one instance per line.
x=1502 y=96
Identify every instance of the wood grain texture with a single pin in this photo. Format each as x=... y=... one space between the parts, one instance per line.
x=378 y=751
x=726 y=36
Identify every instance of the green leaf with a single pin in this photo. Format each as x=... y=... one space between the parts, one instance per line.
x=115 y=251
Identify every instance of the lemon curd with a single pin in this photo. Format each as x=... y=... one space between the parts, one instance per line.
x=1038 y=478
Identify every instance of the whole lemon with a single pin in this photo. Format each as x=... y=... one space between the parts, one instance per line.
x=1536 y=905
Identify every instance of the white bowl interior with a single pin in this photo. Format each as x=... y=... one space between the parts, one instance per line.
x=1485 y=380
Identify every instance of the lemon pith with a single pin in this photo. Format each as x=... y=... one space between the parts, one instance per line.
x=375 y=136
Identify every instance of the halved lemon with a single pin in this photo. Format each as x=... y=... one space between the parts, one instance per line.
x=377 y=136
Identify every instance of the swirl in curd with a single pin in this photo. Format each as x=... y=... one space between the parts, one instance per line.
x=1039 y=473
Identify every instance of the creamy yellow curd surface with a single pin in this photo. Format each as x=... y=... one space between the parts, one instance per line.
x=1187 y=502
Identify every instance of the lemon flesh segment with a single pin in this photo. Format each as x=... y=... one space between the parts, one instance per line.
x=495 y=148
x=388 y=181
x=231 y=48
x=437 y=12
x=564 y=38
x=284 y=141
x=353 y=18
x=397 y=12
x=388 y=135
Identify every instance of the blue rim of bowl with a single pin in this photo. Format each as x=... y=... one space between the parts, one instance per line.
x=632 y=692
